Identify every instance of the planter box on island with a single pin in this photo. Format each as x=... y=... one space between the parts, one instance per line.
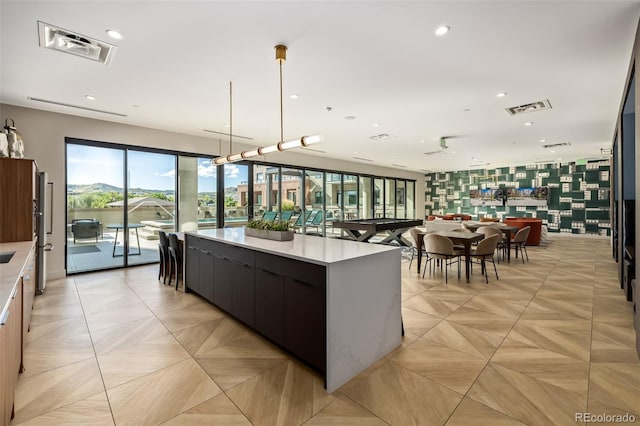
x=269 y=234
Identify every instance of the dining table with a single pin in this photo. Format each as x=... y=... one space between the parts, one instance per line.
x=466 y=239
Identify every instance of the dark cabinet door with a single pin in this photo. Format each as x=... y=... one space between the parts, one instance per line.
x=222 y=284
x=243 y=292
x=192 y=265
x=206 y=270
x=269 y=288
x=305 y=315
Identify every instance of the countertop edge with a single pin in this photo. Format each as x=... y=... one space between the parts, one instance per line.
x=10 y=273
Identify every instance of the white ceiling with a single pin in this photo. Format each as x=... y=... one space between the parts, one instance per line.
x=378 y=61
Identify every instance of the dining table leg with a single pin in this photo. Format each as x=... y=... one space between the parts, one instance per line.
x=467 y=258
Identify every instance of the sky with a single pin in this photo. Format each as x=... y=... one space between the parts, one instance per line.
x=87 y=165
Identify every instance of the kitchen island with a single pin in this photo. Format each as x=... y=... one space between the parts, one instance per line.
x=335 y=304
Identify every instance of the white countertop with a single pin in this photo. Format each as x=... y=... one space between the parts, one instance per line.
x=319 y=250
x=11 y=272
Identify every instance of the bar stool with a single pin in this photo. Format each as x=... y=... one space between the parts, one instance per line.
x=175 y=255
x=163 y=249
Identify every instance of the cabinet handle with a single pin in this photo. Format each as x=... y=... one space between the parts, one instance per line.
x=27 y=277
x=246 y=266
x=205 y=252
x=15 y=291
x=268 y=272
x=4 y=318
x=302 y=282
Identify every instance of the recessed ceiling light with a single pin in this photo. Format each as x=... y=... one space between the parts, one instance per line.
x=442 y=30
x=375 y=125
x=90 y=97
x=467 y=110
x=350 y=117
x=421 y=141
x=355 y=152
x=294 y=96
x=528 y=123
x=115 y=34
x=501 y=94
x=226 y=125
x=543 y=140
x=453 y=152
x=552 y=151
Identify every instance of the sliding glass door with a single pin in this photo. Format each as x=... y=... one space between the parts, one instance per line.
x=95 y=204
x=150 y=205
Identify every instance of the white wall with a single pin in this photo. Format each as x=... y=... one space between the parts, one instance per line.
x=44 y=134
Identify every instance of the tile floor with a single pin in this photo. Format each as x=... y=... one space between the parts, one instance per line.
x=551 y=338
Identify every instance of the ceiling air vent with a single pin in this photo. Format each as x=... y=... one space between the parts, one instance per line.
x=555 y=145
x=52 y=37
x=380 y=137
x=362 y=159
x=399 y=165
x=532 y=107
x=440 y=151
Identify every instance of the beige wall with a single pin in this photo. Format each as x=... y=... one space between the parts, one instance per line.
x=44 y=134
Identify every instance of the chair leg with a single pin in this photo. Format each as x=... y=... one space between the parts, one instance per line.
x=525 y=251
x=161 y=265
x=494 y=267
x=178 y=272
x=484 y=268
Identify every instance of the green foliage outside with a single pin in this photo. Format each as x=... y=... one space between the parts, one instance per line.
x=229 y=202
x=93 y=200
x=287 y=205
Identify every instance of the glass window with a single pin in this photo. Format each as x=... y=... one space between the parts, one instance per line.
x=390 y=198
x=265 y=189
x=366 y=201
x=236 y=194
x=197 y=194
x=314 y=200
x=378 y=197
x=400 y=199
x=292 y=191
x=350 y=197
x=411 y=193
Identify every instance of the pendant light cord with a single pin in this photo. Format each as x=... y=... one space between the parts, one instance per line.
x=230 y=118
x=281 y=110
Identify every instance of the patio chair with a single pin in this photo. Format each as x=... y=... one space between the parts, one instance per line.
x=286 y=216
x=302 y=219
x=269 y=216
x=85 y=228
x=316 y=221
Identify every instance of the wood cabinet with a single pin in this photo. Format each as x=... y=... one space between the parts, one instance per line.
x=18 y=194
x=10 y=352
x=28 y=294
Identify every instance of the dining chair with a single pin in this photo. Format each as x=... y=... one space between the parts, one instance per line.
x=492 y=230
x=175 y=254
x=484 y=251
x=417 y=244
x=519 y=242
x=441 y=248
x=163 y=248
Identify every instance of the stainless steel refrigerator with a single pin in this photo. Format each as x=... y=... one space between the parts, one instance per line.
x=44 y=227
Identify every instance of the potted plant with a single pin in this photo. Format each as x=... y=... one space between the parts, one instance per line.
x=276 y=230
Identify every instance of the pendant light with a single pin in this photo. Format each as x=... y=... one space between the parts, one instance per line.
x=304 y=141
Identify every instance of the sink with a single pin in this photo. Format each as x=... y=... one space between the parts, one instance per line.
x=6 y=256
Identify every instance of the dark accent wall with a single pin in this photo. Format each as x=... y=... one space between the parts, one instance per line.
x=578 y=194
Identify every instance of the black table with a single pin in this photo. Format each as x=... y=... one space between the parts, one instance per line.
x=115 y=240
x=364 y=229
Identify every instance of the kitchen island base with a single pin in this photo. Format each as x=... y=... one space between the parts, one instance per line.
x=334 y=304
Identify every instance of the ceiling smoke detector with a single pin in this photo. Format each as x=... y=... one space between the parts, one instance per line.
x=555 y=145
x=380 y=137
x=52 y=37
x=532 y=107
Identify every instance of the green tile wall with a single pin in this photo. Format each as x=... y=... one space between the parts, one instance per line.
x=578 y=194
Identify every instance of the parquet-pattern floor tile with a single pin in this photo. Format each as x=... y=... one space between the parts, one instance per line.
x=550 y=339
